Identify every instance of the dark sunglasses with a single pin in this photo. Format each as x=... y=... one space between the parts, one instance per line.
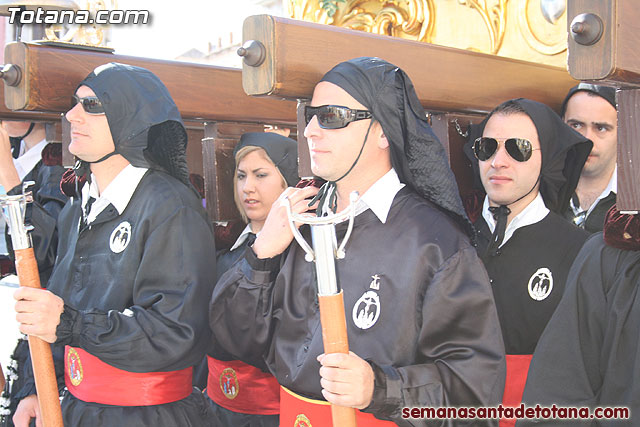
x=90 y=104
x=518 y=148
x=334 y=116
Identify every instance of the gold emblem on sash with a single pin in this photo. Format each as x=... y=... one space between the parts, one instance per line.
x=75 y=367
x=302 y=421
x=229 y=383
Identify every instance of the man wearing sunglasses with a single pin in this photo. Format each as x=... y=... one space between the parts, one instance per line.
x=25 y=155
x=128 y=295
x=591 y=110
x=421 y=321
x=528 y=162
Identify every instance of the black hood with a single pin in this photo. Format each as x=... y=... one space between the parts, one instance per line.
x=145 y=124
x=417 y=156
x=16 y=141
x=564 y=152
x=282 y=151
x=604 y=92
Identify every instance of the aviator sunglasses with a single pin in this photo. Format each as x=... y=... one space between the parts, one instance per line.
x=334 y=116
x=90 y=104
x=518 y=148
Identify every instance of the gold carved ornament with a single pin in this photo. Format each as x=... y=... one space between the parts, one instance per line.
x=494 y=17
x=541 y=23
x=408 y=19
x=85 y=34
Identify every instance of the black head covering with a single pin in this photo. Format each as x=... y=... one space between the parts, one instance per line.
x=16 y=141
x=417 y=156
x=564 y=152
x=607 y=93
x=145 y=124
x=282 y=151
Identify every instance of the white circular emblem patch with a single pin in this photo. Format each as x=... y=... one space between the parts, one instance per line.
x=366 y=310
x=120 y=237
x=540 y=284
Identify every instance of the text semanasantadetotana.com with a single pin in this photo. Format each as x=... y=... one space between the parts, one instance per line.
x=519 y=412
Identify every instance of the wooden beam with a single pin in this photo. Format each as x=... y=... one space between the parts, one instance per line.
x=298 y=54
x=614 y=56
x=628 y=197
x=50 y=75
x=7 y=114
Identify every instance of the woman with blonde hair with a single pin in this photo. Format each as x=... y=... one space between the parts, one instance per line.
x=246 y=394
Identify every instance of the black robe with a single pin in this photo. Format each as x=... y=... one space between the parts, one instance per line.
x=589 y=354
x=164 y=276
x=435 y=341
x=226 y=258
x=550 y=244
x=48 y=201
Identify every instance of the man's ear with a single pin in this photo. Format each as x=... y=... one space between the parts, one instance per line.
x=382 y=141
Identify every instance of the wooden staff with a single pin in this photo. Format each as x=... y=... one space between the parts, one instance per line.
x=13 y=208
x=330 y=297
x=2 y=381
x=334 y=337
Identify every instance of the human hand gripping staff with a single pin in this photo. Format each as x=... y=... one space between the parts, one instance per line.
x=330 y=297
x=13 y=209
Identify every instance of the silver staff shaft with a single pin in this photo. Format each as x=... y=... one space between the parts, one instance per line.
x=323 y=239
x=13 y=210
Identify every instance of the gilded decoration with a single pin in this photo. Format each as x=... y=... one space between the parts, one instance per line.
x=543 y=25
x=494 y=18
x=85 y=34
x=408 y=19
x=532 y=30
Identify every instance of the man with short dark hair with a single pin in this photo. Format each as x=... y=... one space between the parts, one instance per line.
x=528 y=162
x=421 y=320
x=136 y=263
x=591 y=110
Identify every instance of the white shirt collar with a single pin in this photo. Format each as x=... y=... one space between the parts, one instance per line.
x=28 y=159
x=534 y=212
x=612 y=187
x=118 y=193
x=380 y=195
x=243 y=236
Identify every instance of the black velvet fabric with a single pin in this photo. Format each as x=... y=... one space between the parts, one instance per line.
x=622 y=231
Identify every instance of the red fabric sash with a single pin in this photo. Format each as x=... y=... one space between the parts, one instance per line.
x=242 y=388
x=92 y=380
x=299 y=411
x=517 y=369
